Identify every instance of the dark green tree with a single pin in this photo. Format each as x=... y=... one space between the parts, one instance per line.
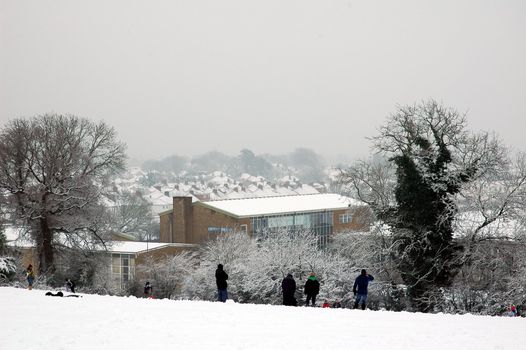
x=431 y=158
x=434 y=156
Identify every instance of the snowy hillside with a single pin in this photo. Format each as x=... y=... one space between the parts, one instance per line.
x=31 y=320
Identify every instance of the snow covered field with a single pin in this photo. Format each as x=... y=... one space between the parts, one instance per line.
x=31 y=320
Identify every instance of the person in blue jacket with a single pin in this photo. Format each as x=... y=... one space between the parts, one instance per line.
x=360 y=288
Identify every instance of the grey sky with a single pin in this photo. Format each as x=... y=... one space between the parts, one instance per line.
x=190 y=76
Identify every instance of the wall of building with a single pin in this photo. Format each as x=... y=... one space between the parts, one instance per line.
x=204 y=217
x=160 y=254
x=165 y=235
x=182 y=220
x=360 y=219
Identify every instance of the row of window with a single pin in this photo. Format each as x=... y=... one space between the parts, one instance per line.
x=321 y=223
x=219 y=230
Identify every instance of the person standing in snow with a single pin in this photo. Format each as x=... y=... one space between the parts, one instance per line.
x=221 y=277
x=289 y=289
x=70 y=285
x=513 y=311
x=312 y=288
x=30 y=276
x=148 y=289
x=360 y=288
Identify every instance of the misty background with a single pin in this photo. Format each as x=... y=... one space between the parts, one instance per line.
x=189 y=77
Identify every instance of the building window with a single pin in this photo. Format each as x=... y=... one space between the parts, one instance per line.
x=345 y=218
x=122 y=269
x=243 y=228
x=216 y=230
x=319 y=223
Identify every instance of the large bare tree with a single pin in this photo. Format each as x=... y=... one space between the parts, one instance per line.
x=54 y=169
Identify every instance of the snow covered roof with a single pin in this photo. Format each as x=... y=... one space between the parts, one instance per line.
x=248 y=207
x=137 y=247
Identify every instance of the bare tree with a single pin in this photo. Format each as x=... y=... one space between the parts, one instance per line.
x=54 y=169
x=373 y=182
x=132 y=214
x=493 y=205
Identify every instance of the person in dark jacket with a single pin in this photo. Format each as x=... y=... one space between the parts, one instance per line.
x=312 y=288
x=360 y=288
x=289 y=289
x=148 y=289
x=221 y=277
x=70 y=285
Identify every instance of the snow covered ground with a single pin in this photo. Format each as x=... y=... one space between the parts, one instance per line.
x=31 y=320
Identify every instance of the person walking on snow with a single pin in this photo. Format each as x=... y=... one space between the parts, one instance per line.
x=360 y=288
x=312 y=288
x=289 y=289
x=221 y=277
x=30 y=276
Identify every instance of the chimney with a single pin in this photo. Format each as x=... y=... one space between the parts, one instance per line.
x=182 y=220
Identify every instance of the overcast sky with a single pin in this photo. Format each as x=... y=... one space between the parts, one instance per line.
x=186 y=77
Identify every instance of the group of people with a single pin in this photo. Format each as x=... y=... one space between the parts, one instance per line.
x=311 y=289
x=30 y=277
x=288 y=285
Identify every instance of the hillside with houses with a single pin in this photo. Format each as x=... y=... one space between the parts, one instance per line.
x=216 y=185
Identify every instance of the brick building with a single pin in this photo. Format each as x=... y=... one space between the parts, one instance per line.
x=195 y=222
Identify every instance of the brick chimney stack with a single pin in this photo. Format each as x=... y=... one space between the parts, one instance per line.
x=182 y=220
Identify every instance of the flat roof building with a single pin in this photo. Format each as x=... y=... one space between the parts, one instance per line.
x=324 y=214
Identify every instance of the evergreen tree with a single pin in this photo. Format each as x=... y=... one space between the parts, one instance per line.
x=432 y=156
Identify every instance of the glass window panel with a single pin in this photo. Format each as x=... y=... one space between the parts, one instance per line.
x=116 y=259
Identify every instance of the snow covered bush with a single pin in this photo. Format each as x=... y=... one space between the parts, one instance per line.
x=7 y=269
x=371 y=251
x=256 y=268
x=167 y=275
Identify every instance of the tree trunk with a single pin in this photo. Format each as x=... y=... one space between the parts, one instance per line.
x=45 y=249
